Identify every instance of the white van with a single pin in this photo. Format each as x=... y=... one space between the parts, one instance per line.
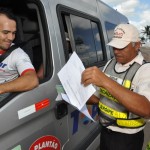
x=33 y=120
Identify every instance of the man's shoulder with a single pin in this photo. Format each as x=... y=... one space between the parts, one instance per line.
x=17 y=54
x=145 y=68
x=18 y=50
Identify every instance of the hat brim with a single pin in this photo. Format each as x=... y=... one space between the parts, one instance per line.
x=118 y=43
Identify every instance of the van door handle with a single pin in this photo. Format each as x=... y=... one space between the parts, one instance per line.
x=61 y=109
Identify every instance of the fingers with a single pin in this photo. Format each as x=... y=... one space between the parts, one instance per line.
x=85 y=77
x=95 y=76
x=87 y=82
x=88 y=76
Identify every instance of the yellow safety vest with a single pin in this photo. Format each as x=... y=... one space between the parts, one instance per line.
x=111 y=111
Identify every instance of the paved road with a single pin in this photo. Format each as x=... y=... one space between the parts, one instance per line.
x=147 y=135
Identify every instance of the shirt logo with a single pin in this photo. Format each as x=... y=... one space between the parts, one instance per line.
x=3 y=65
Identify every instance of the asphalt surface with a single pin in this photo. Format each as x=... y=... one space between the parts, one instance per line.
x=147 y=135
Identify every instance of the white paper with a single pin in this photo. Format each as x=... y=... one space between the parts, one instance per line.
x=65 y=97
x=84 y=109
x=70 y=77
x=59 y=98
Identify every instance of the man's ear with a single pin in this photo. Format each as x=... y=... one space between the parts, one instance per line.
x=137 y=45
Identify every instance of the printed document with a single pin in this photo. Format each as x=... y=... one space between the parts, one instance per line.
x=70 y=77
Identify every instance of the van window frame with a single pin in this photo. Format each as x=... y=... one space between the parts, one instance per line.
x=46 y=44
x=61 y=9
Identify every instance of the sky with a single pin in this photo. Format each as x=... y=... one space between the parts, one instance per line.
x=137 y=11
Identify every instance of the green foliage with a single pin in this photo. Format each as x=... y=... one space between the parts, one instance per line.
x=148 y=146
x=146 y=31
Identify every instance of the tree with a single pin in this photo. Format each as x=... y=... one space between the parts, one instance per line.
x=146 y=31
x=142 y=39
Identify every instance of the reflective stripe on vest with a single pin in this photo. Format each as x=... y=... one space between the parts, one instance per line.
x=131 y=123
x=105 y=93
x=121 y=117
x=127 y=84
x=112 y=112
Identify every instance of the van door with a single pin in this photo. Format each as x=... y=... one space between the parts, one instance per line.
x=82 y=33
x=29 y=120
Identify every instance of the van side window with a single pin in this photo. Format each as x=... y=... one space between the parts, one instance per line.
x=30 y=30
x=109 y=29
x=30 y=23
x=97 y=41
x=84 y=36
x=86 y=40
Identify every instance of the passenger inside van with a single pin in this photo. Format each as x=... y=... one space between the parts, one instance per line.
x=16 y=70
